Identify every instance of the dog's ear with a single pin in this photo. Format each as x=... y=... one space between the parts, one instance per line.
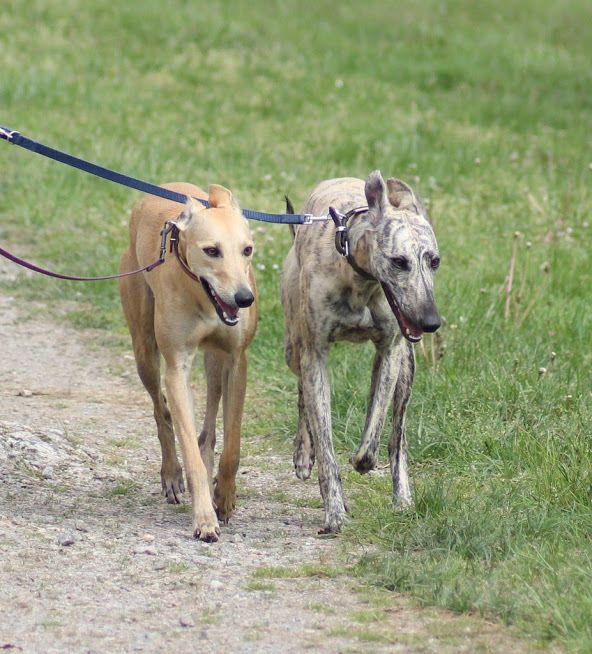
x=375 y=190
x=183 y=220
x=221 y=197
x=400 y=195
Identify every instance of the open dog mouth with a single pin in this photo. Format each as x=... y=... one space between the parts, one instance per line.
x=410 y=331
x=227 y=314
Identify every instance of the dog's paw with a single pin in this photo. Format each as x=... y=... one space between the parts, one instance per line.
x=172 y=485
x=225 y=503
x=207 y=531
x=403 y=502
x=334 y=522
x=303 y=462
x=363 y=461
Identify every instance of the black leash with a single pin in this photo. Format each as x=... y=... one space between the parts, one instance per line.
x=340 y=220
x=16 y=138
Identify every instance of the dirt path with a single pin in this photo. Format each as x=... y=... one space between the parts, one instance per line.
x=93 y=559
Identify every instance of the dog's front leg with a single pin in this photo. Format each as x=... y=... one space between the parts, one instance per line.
x=207 y=439
x=381 y=391
x=402 y=490
x=233 y=390
x=317 y=411
x=178 y=367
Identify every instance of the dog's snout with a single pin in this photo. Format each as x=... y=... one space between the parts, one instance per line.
x=431 y=320
x=244 y=298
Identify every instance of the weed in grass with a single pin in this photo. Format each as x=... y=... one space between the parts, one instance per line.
x=260 y=585
x=209 y=616
x=321 y=608
x=125 y=442
x=363 y=635
x=123 y=488
x=367 y=616
x=181 y=508
x=178 y=567
x=304 y=570
x=307 y=503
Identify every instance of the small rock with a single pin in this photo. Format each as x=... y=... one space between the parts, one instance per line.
x=159 y=565
x=25 y=393
x=216 y=584
x=237 y=538
x=186 y=622
x=145 y=550
x=80 y=526
x=47 y=472
x=65 y=540
x=203 y=634
x=149 y=538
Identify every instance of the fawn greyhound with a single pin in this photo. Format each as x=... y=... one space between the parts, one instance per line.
x=381 y=291
x=172 y=313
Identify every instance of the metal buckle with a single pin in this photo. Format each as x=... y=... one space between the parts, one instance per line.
x=341 y=240
x=169 y=226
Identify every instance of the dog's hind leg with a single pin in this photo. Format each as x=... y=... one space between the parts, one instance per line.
x=234 y=382
x=381 y=391
x=207 y=437
x=304 y=454
x=317 y=409
x=402 y=489
x=138 y=305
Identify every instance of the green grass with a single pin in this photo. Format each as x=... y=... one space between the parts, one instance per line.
x=259 y=585
x=486 y=109
x=123 y=488
x=294 y=572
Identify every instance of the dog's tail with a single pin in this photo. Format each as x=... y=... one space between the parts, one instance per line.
x=290 y=209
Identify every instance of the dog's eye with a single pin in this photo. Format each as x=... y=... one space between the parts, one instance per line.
x=400 y=262
x=212 y=252
x=248 y=251
x=435 y=263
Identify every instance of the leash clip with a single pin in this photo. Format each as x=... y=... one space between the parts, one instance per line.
x=7 y=134
x=310 y=218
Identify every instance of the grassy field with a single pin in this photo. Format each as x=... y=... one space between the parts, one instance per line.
x=486 y=108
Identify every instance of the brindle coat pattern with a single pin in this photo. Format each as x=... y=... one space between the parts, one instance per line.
x=326 y=300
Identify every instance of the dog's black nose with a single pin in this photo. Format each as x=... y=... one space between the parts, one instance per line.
x=244 y=298
x=430 y=321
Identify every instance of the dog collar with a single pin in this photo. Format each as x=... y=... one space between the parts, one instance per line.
x=342 y=237
x=174 y=245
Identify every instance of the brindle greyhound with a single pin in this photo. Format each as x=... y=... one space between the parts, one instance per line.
x=172 y=313
x=383 y=292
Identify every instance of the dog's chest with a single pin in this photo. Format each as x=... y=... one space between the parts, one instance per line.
x=353 y=318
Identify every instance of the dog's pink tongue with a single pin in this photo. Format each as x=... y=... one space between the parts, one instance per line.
x=408 y=327
x=231 y=312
